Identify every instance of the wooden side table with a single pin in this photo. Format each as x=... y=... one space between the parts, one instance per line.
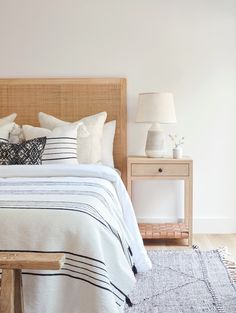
x=141 y=168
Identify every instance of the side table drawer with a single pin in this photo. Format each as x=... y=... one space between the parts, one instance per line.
x=160 y=169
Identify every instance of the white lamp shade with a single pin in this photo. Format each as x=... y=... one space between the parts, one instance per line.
x=156 y=108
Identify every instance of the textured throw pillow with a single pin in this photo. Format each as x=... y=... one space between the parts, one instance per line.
x=107 y=143
x=16 y=134
x=61 y=145
x=89 y=148
x=5 y=132
x=8 y=119
x=28 y=153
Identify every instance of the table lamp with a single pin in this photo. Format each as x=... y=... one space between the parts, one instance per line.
x=156 y=108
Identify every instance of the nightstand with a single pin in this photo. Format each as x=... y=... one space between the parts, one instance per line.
x=141 y=168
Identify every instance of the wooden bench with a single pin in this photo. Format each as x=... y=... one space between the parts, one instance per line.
x=11 y=292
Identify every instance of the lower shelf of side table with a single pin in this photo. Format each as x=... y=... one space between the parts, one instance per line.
x=164 y=231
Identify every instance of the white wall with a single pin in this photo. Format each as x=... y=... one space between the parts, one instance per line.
x=184 y=46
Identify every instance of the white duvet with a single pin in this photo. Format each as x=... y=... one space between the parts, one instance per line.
x=84 y=211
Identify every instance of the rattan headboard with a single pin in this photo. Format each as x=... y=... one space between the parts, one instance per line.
x=69 y=99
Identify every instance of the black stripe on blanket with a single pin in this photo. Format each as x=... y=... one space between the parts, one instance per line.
x=85 y=269
x=85 y=263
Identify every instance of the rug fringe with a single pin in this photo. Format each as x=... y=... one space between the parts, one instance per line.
x=228 y=261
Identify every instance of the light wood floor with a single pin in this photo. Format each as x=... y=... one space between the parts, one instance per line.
x=205 y=242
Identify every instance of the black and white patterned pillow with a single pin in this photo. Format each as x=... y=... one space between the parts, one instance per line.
x=28 y=153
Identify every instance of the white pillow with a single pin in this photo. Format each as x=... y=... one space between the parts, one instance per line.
x=89 y=149
x=5 y=131
x=107 y=143
x=8 y=119
x=61 y=145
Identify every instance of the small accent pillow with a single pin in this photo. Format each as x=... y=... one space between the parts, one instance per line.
x=28 y=153
x=61 y=145
x=5 y=131
x=8 y=119
x=107 y=143
x=90 y=148
x=16 y=134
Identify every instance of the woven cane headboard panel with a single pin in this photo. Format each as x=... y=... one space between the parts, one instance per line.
x=69 y=99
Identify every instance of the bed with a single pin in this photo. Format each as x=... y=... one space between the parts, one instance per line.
x=82 y=210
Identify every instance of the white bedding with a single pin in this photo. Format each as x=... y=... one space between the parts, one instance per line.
x=85 y=211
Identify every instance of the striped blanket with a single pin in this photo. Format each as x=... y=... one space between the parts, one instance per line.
x=85 y=212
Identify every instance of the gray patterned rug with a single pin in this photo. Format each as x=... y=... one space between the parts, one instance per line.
x=188 y=281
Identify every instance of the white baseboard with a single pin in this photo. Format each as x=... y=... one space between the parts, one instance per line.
x=202 y=225
x=214 y=225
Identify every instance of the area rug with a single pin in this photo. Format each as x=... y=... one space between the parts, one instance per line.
x=190 y=281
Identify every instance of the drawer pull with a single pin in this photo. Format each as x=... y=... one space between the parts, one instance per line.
x=160 y=170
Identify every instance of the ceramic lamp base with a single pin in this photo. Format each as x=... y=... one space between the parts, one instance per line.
x=156 y=143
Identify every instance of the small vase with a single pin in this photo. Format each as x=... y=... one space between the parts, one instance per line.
x=177 y=153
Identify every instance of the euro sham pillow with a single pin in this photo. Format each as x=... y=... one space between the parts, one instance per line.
x=28 y=153
x=5 y=132
x=61 y=144
x=107 y=143
x=8 y=119
x=89 y=149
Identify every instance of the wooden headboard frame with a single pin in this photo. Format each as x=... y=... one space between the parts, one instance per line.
x=69 y=99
